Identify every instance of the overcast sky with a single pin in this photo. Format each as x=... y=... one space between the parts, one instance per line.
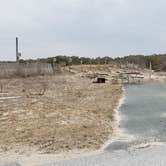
x=82 y=27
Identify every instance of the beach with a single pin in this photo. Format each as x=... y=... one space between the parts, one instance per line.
x=74 y=116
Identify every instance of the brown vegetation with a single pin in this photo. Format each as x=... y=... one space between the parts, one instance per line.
x=56 y=113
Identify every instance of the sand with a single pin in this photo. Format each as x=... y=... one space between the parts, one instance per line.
x=54 y=116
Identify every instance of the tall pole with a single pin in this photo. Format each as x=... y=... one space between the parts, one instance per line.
x=17 y=57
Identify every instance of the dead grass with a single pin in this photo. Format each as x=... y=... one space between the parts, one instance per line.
x=72 y=113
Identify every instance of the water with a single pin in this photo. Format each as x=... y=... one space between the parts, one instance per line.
x=144 y=109
x=144 y=124
x=143 y=115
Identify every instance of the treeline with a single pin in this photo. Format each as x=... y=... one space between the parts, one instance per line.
x=73 y=60
x=157 y=61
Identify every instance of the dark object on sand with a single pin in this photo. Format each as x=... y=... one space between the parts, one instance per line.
x=100 y=80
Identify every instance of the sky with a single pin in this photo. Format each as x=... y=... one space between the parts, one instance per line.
x=88 y=28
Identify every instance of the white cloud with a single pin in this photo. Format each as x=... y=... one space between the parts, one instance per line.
x=82 y=27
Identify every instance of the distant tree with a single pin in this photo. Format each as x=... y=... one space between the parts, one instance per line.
x=155 y=62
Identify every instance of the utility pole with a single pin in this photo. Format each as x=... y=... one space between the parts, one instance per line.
x=18 y=54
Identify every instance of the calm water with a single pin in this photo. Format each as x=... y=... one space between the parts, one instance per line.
x=144 y=112
x=145 y=109
x=143 y=115
x=144 y=120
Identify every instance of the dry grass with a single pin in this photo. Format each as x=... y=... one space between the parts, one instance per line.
x=72 y=113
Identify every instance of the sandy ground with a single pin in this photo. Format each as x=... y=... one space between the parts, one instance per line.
x=147 y=147
x=50 y=118
x=153 y=155
x=55 y=114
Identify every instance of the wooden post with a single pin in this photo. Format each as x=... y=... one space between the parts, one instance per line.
x=18 y=54
x=17 y=57
x=150 y=67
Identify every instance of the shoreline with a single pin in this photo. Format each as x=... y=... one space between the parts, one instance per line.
x=33 y=158
x=117 y=132
x=41 y=159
